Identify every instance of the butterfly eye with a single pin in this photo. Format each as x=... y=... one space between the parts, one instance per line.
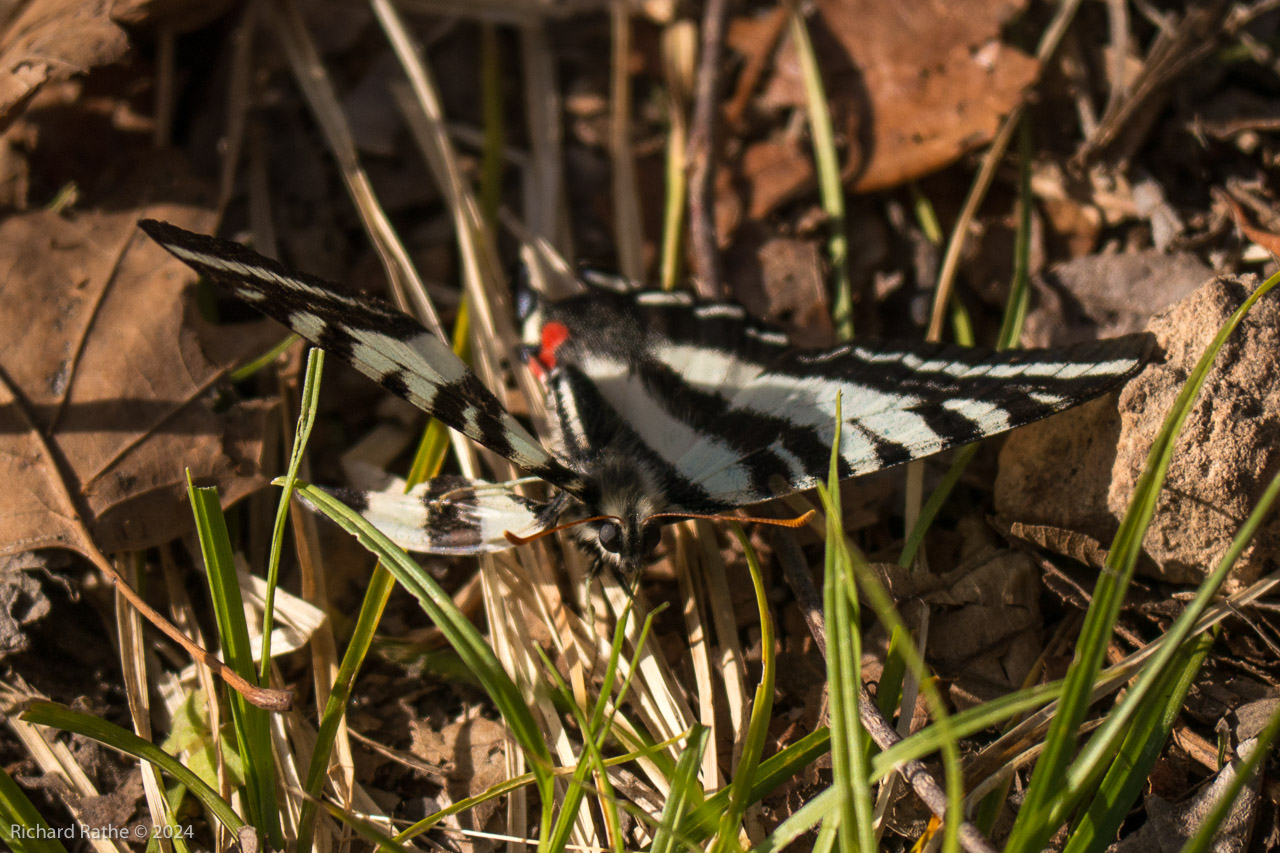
x=610 y=536
x=652 y=538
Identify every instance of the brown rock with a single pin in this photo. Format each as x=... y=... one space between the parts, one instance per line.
x=1078 y=470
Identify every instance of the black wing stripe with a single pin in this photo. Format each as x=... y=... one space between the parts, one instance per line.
x=386 y=345
x=601 y=428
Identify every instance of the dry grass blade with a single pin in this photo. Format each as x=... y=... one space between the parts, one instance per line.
x=55 y=761
x=133 y=665
x=1049 y=42
x=312 y=78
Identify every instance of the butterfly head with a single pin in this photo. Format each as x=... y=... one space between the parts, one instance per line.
x=618 y=529
x=624 y=545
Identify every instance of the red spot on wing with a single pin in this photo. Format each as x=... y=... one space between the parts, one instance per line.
x=553 y=336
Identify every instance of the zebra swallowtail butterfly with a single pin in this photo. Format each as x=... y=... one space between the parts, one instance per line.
x=663 y=406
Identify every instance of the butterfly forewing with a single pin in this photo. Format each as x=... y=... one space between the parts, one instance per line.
x=385 y=344
x=726 y=414
x=899 y=403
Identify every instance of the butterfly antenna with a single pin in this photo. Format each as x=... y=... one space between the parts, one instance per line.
x=515 y=539
x=799 y=521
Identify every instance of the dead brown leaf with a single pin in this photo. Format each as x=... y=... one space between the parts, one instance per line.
x=1069 y=543
x=1169 y=825
x=53 y=40
x=782 y=280
x=474 y=751
x=1266 y=239
x=985 y=621
x=912 y=87
x=104 y=398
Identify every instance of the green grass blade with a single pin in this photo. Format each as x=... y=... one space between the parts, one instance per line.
x=21 y=826
x=830 y=186
x=1171 y=665
x=971 y=721
x=56 y=716
x=740 y=787
x=249 y=369
x=251 y=724
x=1015 y=311
x=568 y=807
x=823 y=807
x=427 y=463
x=507 y=786
x=855 y=566
x=367 y=830
x=1145 y=738
x=457 y=629
x=685 y=792
x=849 y=760
x=775 y=770
x=306 y=418
x=1049 y=796
x=596 y=729
x=376 y=596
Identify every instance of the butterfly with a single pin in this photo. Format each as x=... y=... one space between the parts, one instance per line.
x=662 y=406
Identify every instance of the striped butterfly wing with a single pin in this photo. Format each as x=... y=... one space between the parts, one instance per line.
x=728 y=414
x=385 y=344
x=451 y=516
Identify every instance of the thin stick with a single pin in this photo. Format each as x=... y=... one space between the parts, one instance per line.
x=702 y=222
x=626 y=203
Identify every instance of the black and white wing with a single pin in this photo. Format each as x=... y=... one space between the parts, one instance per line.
x=451 y=515
x=725 y=413
x=381 y=342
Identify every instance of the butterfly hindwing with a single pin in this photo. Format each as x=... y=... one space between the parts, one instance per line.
x=450 y=515
x=726 y=413
x=385 y=344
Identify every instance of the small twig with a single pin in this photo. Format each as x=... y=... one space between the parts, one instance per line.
x=1132 y=112
x=626 y=200
x=916 y=774
x=881 y=731
x=802 y=585
x=701 y=159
